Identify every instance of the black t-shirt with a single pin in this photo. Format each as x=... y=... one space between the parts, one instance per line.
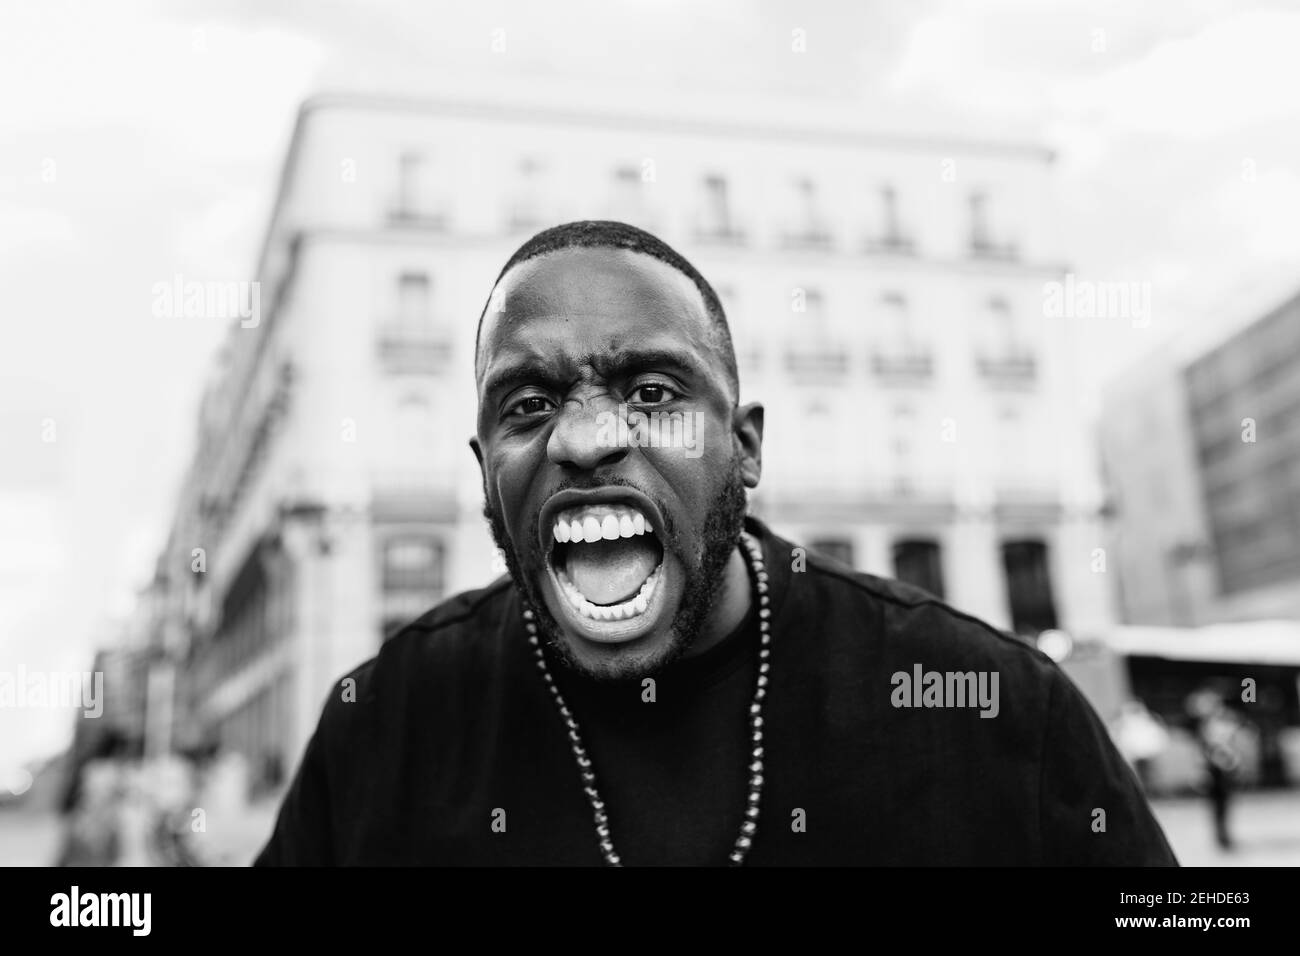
x=452 y=751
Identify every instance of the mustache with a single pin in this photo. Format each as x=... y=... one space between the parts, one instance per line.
x=595 y=483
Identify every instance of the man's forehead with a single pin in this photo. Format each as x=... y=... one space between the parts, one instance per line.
x=595 y=290
x=595 y=276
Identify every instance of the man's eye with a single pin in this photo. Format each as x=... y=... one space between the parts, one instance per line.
x=652 y=393
x=532 y=405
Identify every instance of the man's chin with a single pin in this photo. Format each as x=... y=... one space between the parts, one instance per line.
x=623 y=641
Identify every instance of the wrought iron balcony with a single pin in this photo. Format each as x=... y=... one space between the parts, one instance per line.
x=813 y=237
x=895 y=245
x=411 y=217
x=906 y=365
x=999 y=251
x=817 y=359
x=407 y=348
x=1010 y=368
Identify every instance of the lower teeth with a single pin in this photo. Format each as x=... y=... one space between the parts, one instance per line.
x=612 y=612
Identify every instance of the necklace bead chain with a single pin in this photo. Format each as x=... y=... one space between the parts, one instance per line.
x=599 y=814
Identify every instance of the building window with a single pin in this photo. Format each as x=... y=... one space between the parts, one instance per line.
x=808 y=228
x=411 y=171
x=820 y=453
x=1002 y=326
x=900 y=353
x=983 y=241
x=628 y=201
x=1004 y=354
x=526 y=208
x=1029 y=587
x=890 y=237
x=813 y=350
x=919 y=562
x=413 y=201
x=413 y=563
x=415 y=428
x=413 y=296
x=897 y=324
x=979 y=221
x=814 y=304
x=837 y=549
x=808 y=213
x=889 y=213
x=251 y=615
x=715 y=223
x=904 y=468
x=409 y=340
x=412 y=575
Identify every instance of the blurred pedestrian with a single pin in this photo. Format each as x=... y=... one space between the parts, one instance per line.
x=93 y=837
x=1218 y=731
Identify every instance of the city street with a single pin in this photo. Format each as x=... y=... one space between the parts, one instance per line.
x=1266 y=827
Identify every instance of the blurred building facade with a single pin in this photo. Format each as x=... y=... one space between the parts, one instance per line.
x=1201 y=451
x=886 y=299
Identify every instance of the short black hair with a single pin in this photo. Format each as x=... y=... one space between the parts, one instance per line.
x=609 y=234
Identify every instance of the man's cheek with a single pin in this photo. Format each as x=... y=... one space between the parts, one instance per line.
x=521 y=531
x=508 y=498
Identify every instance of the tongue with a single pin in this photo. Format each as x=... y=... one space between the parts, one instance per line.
x=610 y=572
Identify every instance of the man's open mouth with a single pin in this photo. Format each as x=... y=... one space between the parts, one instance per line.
x=608 y=570
x=607 y=560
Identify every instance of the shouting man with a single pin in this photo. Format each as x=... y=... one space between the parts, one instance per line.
x=662 y=680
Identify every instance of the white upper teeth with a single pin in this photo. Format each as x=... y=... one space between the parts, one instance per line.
x=600 y=523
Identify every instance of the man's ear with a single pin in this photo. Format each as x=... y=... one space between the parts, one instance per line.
x=482 y=471
x=747 y=426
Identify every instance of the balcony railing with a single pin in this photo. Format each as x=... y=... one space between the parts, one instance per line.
x=895 y=245
x=410 y=217
x=403 y=348
x=999 y=251
x=817 y=238
x=1014 y=368
x=903 y=366
x=817 y=360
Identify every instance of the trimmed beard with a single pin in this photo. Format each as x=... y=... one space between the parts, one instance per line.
x=704 y=575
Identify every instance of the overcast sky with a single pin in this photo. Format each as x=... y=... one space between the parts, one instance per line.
x=142 y=139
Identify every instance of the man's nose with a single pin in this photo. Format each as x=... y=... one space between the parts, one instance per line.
x=586 y=436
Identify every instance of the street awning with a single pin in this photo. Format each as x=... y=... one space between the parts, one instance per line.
x=1251 y=642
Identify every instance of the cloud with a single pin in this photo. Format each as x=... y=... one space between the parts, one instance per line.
x=1230 y=76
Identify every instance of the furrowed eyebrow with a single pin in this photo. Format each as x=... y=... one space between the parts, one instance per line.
x=513 y=376
x=533 y=370
x=642 y=360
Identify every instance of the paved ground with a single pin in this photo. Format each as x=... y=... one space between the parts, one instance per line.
x=34 y=839
x=1266 y=826
x=28 y=839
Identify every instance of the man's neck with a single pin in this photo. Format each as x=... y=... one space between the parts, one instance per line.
x=730 y=608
